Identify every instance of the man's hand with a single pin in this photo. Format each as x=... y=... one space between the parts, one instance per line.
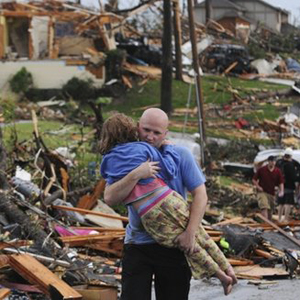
x=147 y=169
x=280 y=194
x=186 y=242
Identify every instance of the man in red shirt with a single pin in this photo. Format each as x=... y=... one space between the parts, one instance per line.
x=265 y=180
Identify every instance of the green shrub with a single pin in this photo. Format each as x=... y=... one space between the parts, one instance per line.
x=21 y=82
x=79 y=89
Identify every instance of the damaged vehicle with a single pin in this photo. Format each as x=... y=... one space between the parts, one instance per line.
x=138 y=51
x=226 y=57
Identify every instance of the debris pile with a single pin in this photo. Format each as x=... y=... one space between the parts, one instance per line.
x=63 y=241
x=56 y=241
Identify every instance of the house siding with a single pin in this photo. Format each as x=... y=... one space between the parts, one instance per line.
x=259 y=12
x=262 y=13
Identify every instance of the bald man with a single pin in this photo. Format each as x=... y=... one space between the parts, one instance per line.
x=143 y=257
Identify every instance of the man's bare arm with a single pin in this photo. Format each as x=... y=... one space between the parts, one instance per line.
x=256 y=184
x=186 y=240
x=118 y=191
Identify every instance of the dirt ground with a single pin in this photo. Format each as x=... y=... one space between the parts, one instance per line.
x=211 y=289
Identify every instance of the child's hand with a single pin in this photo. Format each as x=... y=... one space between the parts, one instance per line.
x=147 y=169
x=185 y=242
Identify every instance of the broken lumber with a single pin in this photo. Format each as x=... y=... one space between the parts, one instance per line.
x=89 y=201
x=4 y=293
x=257 y=272
x=82 y=240
x=291 y=238
x=236 y=220
x=240 y=262
x=90 y=212
x=4 y=261
x=264 y=254
x=39 y=257
x=36 y=273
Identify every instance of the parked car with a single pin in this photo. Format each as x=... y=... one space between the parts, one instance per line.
x=219 y=57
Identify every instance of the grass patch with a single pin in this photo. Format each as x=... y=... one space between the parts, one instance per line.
x=215 y=90
x=266 y=111
x=54 y=134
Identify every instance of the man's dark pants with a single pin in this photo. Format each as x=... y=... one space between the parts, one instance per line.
x=172 y=274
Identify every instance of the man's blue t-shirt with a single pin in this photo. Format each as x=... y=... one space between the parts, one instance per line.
x=189 y=177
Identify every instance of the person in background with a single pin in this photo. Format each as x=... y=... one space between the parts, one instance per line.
x=266 y=179
x=286 y=202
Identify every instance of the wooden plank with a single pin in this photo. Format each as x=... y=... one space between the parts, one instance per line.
x=258 y=271
x=2 y=50
x=76 y=62
x=263 y=253
x=36 y=273
x=240 y=262
x=90 y=212
x=214 y=232
x=15 y=244
x=51 y=51
x=89 y=239
x=100 y=229
x=291 y=238
x=4 y=261
x=230 y=67
x=4 y=293
x=89 y=201
x=230 y=221
x=110 y=244
x=262 y=282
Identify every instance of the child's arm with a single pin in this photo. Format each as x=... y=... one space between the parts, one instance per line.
x=118 y=191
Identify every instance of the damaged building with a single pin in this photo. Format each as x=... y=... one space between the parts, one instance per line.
x=54 y=41
x=242 y=17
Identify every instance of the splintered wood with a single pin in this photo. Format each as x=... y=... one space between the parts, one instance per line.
x=36 y=273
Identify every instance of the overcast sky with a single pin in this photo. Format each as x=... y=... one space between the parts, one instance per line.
x=290 y=5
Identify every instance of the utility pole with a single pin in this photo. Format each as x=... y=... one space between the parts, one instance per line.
x=178 y=39
x=167 y=72
x=199 y=95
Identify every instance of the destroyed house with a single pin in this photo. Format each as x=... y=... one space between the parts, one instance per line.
x=245 y=14
x=55 y=41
